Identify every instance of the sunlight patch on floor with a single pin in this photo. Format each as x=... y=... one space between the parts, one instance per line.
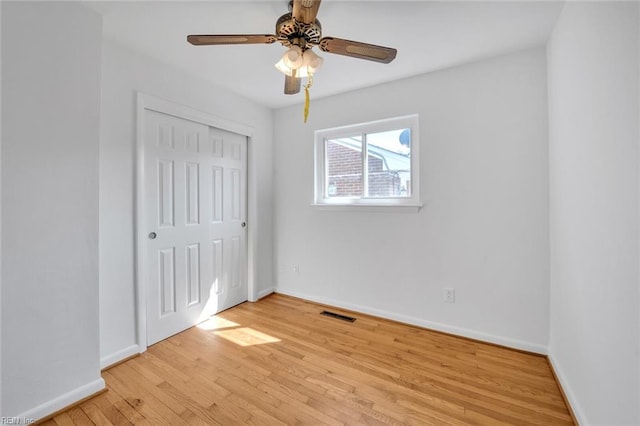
x=216 y=323
x=246 y=336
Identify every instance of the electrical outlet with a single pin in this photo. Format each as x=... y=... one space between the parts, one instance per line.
x=450 y=295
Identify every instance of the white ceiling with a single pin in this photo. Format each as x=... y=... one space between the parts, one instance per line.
x=429 y=35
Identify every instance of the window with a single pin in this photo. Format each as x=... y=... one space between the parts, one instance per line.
x=368 y=164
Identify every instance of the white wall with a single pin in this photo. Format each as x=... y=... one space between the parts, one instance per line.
x=483 y=230
x=124 y=73
x=0 y=215
x=50 y=141
x=593 y=110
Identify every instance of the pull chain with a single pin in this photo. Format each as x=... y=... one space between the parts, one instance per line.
x=306 y=96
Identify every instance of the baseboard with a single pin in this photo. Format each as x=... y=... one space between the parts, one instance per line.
x=567 y=392
x=266 y=292
x=458 y=331
x=117 y=357
x=64 y=401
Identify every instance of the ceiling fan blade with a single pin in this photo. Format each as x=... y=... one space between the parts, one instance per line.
x=213 y=39
x=305 y=11
x=358 y=49
x=291 y=85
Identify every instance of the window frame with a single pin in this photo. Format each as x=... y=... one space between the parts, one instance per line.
x=411 y=202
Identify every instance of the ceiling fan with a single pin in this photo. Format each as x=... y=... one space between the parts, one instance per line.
x=300 y=31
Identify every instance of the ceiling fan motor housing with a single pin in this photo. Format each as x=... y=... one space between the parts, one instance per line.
x=293 y=33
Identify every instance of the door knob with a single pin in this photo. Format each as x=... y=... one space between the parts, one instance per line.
x=243 y=224
x=152 y=235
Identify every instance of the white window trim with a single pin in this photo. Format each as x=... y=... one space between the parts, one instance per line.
x=389 y=204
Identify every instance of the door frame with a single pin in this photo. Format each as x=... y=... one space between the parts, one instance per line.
x=154 y=103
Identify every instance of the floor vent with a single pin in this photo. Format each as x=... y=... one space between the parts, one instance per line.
x=337 y=316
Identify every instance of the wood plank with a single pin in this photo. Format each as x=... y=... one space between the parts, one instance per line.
x=125 y=408
x=64 y=419
x=139 y=399
x=110 y=411
x=79 y=417
x=95 y=414
x=289 y=365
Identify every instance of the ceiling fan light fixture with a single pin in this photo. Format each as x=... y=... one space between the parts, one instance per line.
x=311 y=62
x=291 y=72
x=292 y=58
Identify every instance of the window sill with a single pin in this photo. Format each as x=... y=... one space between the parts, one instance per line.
x=369 y=208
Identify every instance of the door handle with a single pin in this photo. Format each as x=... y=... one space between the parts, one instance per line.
x=243 y=224
x=152 y=235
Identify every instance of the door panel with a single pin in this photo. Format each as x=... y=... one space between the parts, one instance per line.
x=195 y=201
x=216 y=266
x=165 y=194
x=193 y=274
x=193 y=193
x=167 y=280
x=216 y=194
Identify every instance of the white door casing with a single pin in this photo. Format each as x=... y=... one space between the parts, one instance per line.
x=192 y=214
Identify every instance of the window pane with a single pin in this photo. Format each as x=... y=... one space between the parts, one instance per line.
x=389 y=163
x=368 y=164
x=344 y=167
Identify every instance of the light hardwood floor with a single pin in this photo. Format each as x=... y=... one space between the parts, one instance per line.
x=279 y=361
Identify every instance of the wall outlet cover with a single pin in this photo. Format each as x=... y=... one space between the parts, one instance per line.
x=449 y=295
